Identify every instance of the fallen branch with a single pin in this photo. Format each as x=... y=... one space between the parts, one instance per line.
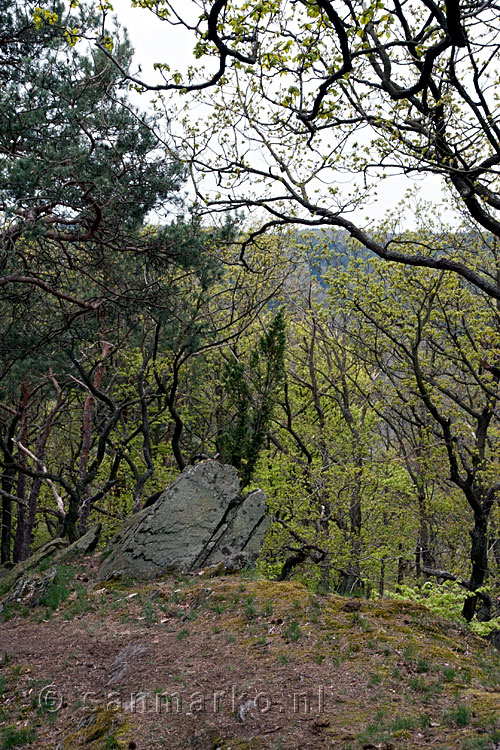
x=447 y=576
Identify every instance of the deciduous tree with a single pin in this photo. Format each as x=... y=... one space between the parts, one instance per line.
x=313 y=103
x=433 y=339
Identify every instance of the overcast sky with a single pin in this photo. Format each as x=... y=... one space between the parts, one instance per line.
x=154 y=40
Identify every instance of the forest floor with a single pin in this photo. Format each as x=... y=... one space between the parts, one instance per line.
x=239 y=664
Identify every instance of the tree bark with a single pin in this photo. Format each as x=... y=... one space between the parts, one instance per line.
x=37 y=481
x=479 y=560
x=21 y=480
x=8 y=487
x=88 y=407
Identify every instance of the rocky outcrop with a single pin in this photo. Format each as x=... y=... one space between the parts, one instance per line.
x=28 y=581
x=200 y=521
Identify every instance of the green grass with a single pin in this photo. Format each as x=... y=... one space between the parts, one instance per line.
x=461 y=716
x=409 y=652
x=379 y=731
x=250 y=574
x=419 y=685
x=46 y=563
x=466 y=676
x=403 y=723
x=60 y=588
x=11 y=610
x=478 y=743
x=12 y=737
x=149 y=613
x=374 y=733
x=293 y=632
x=360 y=621
x=449 y=674
x=267 y=609
x=111 y=743
x=421 y=666
x=178 y=597
x=80 y=606
x=485 y=742
x=250 y=608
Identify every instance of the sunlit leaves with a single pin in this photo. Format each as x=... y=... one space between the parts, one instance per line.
x=43 y=15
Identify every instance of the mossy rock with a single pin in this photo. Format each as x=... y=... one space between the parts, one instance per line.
x=29 y=582
x=95 y=730
x=85 y=545
x=29 y=589
x=43 y=554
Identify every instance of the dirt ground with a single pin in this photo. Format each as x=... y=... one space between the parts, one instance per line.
x=240 y=664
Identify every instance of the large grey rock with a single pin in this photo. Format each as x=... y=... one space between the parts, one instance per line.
x=201 y=520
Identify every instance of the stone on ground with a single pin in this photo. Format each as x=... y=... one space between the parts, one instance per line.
x=200 y=521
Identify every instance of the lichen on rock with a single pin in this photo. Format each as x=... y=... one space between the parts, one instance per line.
x=200 y=521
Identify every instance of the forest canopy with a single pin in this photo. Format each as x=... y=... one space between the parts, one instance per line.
x=313 y=104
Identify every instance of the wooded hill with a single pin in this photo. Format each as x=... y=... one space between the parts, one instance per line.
x=138 y=335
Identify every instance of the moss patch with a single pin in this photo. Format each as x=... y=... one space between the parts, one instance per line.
x=98 y=730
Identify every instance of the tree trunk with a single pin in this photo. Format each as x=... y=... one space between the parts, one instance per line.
x=381 y=583
x=349 y=583
x=424 y=558
x=325 y=566
x=496 y=551
x=70 y=529
x=6 y=517
x=7 y=486
x=21 y=480
x=325 y=572
x=479 y=560
x=418 y=560
x=355 y=519
x=290 y=563
x=401 y=565
x=88 y=407
x=84 y=459
x=37 y=481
